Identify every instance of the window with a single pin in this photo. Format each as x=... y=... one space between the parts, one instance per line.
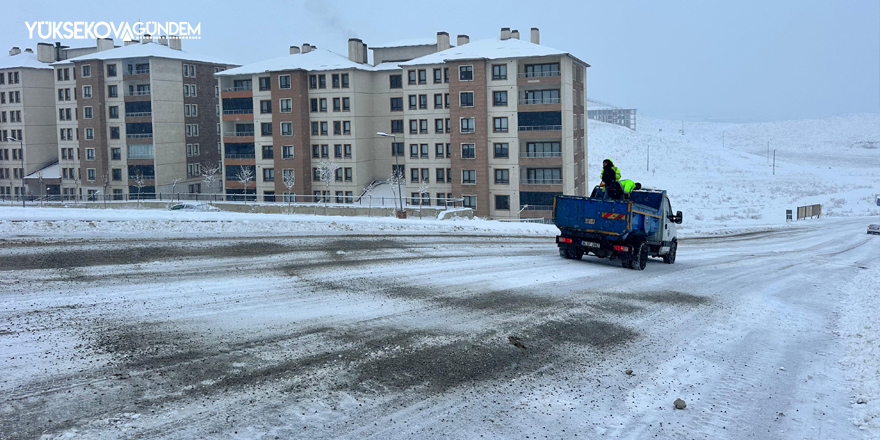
x=284 y=81
x=112 y=91
x=286 y=105
x=90 y=154
x=500 y=124
x=266 y=129
x=86 y=71
x=423 y=126
x=438 y=100
x=543 y=149
x=397 y=104
x=87 y=91
x=111 y=70
x=344 y=80
x=323 y=104
x=348 y=174
x=411 y=77
x=268 y=174
x=337 y=150
x=540 y=70
x=468 y=151
x=313 y=81
x=499 y=71
x=316 y=176
x=336 y=104
x=414 y=151
x=550 y=96
x=466 y=99
x=501 y=150
x=91 y=174
x=114 y=132
x=117 y=173
x=265 y=83
x=338 y=176
x=313 y=104
x=87 y=112
x=440 y=177
x=438 y=125
x=322 y=81
x=287 y=152
x=325 y=150
x=113 y=111
x=412 y=102
x=397 y=126
x=499 y=99
x=414 y=175
x=314 y=128
x=397 y=148
x=423 y=148
x=423 y=76
x=347 y=150
x=466 y=73
x=438 y=76
x=346 y=104
x=446 y=100
x=467 y=125
x=324 y=128
x=346 y=127
x=289 y=175
x=195 y=149
x=337 y=127
x=286 y=129
x=543 y=176
x=446 y=74
x=502 y=202
x=448 y=129
x=469 y=202
x=115 y=153
x=395 y=81
x=268 y=152
x=334 y=80
x=90 y=133
x=316 y=151
x=265 y=106
x=413 y=126
x=502 y=176
x=438 y=150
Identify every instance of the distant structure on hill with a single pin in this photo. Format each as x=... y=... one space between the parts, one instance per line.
x=604 y=112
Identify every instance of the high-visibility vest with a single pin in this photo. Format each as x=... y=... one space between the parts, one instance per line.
x=628 y=185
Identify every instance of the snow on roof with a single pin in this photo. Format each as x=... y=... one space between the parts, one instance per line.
x=146 y=50
x=391 y=65
x=23 y=60
x=317 y=59
x=491 y=49
x=408 y=42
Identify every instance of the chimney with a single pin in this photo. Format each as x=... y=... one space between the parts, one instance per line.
x=442 y=41
x=103 y=44
x=14 y=51
x=462 y=39
x=147 y=39
x=45 y=53
x=130 y=42
x=60 y=51
x=163 y=40
x=536 y=36
x=505 y=33
x=29 y=50
x=514 y=34
x=174 y=42
x=365 y=54
x=355 y=50
x=294 y=50
x=306 y=48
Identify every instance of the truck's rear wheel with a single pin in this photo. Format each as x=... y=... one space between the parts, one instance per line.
x=625 y=263
x=669 y=258
x=640 y=257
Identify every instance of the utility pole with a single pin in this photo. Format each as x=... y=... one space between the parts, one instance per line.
x=774 y=162
x=648 y=161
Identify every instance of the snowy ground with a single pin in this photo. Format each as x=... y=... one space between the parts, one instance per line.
x=146 y=323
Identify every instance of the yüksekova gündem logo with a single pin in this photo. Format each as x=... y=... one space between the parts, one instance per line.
x=90 y=30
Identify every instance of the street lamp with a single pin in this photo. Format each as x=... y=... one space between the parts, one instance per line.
x=396 y=171
x=21 y=156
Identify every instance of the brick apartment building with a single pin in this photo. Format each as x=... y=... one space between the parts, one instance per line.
x=498 y=123
x=136 y=120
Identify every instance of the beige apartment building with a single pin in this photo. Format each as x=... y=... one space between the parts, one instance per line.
x=137 y=120
x=499 y=123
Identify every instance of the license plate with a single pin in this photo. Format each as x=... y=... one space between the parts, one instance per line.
x=589 y=244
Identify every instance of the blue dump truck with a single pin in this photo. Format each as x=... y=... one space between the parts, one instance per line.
x=631 y=229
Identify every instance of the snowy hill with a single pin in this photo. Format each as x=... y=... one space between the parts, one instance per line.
x=834 y=162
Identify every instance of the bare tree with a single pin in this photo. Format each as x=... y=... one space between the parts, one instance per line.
x=327 y=172
x=174 y=187
x=289 y=181
x=209 y=175
x=368 y=192
x=395 y=179
x=423 y=189
x=245 y=176
x=140 y=182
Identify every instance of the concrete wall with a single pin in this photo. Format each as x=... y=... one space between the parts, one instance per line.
x=169 y=136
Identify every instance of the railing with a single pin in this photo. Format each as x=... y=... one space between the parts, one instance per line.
x=238 y=89
x=136 y=114
x=536 y=154
x=139 y=93
x=525 y=101
x=527 y=181
x=536 y=207
x=539 y=127
x=467 y=130
x=139 y=135
x=240 y=134
x=137 y=71
x=538 y=74
x=145 y=177
x=240 y=156
x=244 y=111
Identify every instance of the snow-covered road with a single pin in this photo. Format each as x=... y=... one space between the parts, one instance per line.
x=395 y=335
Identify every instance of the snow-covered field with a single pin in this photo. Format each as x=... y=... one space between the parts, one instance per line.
x=158 y=324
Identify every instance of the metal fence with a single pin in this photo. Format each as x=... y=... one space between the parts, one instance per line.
x=809 y=211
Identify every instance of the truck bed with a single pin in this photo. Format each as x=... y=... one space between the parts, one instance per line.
x=614 y=220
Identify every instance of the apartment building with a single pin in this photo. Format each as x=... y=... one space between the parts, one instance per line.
x=137 y=120
x=498 y=123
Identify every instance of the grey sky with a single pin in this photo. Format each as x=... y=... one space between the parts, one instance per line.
x=736 y=61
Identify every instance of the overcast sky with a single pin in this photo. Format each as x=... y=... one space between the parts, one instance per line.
x=737 y=60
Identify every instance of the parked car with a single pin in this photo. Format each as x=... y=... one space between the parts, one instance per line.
x=874 y=229
x=202 y=207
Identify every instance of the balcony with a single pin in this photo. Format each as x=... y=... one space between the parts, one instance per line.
x=539 y=101
x=139 y=135
x=138 y=93
x=141 y=71
x=240 y=156
x=137 y=114
x=540 y=154
x=240 y=134
x=243 y=111
x=528 y=181
x=541 y=74
x=539 y=127
x=239 y=89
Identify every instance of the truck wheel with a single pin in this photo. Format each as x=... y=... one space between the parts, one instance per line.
x=625 y=263
x=563 y=252
x=577 y=253
x=669 y=258
x=640 y=257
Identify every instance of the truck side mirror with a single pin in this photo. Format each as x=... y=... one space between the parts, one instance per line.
x=678 y=217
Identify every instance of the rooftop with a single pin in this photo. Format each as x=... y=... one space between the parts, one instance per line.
x=146 y=50
x=24 y=60
x=491 y=49
x=408 y=42
x=317 y=59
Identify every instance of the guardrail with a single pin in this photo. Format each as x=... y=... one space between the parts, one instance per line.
x=137 y=71
x=139 y=135
x=139 y=93
x=527 y=181
x=539 y=127
x=136 y=114
x=533 y=155
x=246 y=111
x=239 y=89
x=240 y=134
x=538 y=74
x=297 y=199
x=241 y=156
x=540 y=101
